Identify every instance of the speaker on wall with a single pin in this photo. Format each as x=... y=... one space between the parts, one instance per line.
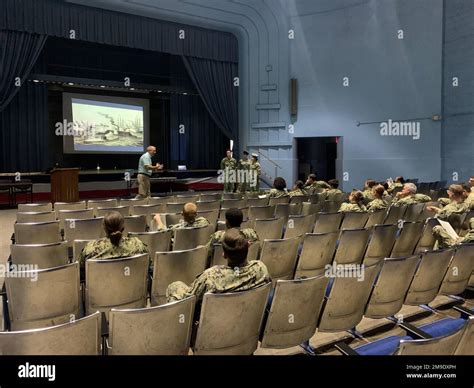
x=293 y=96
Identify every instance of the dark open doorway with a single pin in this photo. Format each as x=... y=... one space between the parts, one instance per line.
x=317 y=155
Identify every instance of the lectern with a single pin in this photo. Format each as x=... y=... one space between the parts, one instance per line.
x=65 y=185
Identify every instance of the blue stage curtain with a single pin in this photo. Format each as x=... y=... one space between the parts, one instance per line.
x=24 y=131
x=59 y=18
x=202 y=145
x=214 y=80
x=18 y=53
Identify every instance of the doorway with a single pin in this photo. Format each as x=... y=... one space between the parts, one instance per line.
x=317 y=155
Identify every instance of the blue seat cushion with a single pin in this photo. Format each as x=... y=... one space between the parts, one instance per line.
x=443 y=327
x=329 y=287
x=382 y=347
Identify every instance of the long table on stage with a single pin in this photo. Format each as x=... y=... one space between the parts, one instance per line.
x=166 y=181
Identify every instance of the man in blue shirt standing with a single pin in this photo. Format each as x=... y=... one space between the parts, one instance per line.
x=145 y=169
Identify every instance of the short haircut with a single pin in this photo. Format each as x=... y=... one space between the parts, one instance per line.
x=334 y=183
x=234 y=217
x=150 y=148
x=312 y=177
x=370 y=183
x=379 y=190
x=400 y=179
x=299 y=184
x=457 y=190
x=357 y=195
x=411 y=187
x=235 y=246
x=189 y=211
x=279 y=183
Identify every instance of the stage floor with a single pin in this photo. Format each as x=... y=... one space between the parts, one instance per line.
x=115 y=183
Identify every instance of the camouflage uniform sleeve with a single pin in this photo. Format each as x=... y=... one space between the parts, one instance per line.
x=201 y=222
x=212 y=239
x=87 y=252
x=177 y=291
x=263 y=270
x=468 y=238
x=201 y=285
x=215 y=238
x=326 y=185
x=250 y=234
x=140 y=246
x=343 y=208
x=424 y=198
x=444 y=201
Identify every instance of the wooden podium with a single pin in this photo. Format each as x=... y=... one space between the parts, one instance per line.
x=65 y=185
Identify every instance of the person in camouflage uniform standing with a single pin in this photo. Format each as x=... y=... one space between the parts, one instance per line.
x=243 y=173
x=378 y=203
x=228 y=167
x=256 y=171
x=444 y=240
x=237 y=275
x=408 y=196
x=355 y=203
x=114 y=245
x=279 y=188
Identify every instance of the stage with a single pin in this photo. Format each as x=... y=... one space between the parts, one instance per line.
x=95 y=184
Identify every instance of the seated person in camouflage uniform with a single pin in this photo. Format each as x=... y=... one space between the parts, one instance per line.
x=444 y=240
x=455 y=206
x=334 y=184
x=408 y=195
x=114 y=245
x=378 y=203
x=189 y=220
x=355 y=203
x=398 y=182
x=233 y=219
x=368 y=186
x=469 y=195
x=298 y=190
x=279 y=188
x=237 y=275
x=312 y=184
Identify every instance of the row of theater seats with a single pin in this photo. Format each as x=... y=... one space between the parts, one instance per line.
x=333 y=240
x=301 y=310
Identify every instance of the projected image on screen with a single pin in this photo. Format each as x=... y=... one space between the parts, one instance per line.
x=107 y=126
